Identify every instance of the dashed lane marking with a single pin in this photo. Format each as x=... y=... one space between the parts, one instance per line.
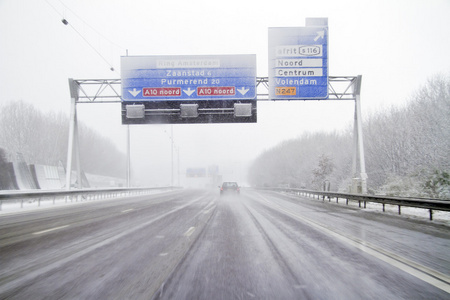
x=19 y=281
x=49 y=230
x=190 y=231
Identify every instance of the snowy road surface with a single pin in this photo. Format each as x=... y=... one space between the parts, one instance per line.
x=196 y=245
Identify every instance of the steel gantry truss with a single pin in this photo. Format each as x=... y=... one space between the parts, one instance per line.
x=109 y=91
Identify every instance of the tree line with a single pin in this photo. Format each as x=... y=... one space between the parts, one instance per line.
x=407 y=151
x=42 y=138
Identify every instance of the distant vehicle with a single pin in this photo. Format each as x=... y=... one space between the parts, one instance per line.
x=229 y=188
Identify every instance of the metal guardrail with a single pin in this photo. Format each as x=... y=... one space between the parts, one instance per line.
x=73 y=195
x=430 y=204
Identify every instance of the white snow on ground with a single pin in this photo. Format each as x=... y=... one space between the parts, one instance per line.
x=410 y=212
x=441 y=217
x=13 y=206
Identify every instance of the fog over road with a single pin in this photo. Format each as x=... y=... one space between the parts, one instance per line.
x=194 y=244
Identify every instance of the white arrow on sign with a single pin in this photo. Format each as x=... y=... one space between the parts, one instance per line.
x=134 y=92
x=320 y=34
x=189 y=91
x=243 y=91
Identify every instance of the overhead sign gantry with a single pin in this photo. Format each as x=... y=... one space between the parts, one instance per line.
x=223 y=89
x=188 y=89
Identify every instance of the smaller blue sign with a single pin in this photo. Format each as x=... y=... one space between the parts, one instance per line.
x=169 y=78
x=298 y=63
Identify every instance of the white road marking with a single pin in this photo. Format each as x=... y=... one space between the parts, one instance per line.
x=127 y=210
x=190 y=231
x=208 y=208
x=433 y=277
x=251 y=295
x=51 y=229
x=17 y=282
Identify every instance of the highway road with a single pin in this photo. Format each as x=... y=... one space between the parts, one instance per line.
x=194 y=244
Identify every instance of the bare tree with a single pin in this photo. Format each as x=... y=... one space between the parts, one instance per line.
x=407 y=150
x=42 y=139
x=323 y=171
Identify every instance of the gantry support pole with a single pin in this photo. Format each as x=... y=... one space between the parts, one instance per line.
x=358 y=150
x=107 y=85
x=128 y=158
x=73 y=136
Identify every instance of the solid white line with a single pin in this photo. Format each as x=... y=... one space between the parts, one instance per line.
x=433 y=277
x=52 y=229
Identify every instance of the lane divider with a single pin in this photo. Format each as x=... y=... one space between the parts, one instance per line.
x=17 y=282
x=189 y=232
x=61 y=227
x=49 y=230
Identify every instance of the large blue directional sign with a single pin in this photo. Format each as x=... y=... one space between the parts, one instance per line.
x=192 y=77
x=298 y=62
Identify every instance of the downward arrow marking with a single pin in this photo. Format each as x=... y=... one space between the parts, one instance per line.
x=134 y=92
x=243 y=90
x=189 y=91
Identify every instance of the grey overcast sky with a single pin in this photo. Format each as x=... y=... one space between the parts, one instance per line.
x=396 y=45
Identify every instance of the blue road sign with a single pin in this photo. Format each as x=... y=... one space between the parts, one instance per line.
x=193 y=77
x=298 y=63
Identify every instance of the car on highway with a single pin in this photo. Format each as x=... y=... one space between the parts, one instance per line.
x=229 y=188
